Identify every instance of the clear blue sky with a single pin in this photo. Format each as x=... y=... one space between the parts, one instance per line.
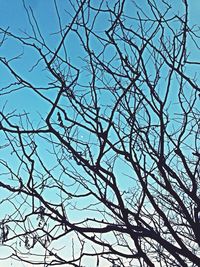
x=13 y=16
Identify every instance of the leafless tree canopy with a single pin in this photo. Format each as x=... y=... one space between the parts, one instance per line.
x=99 y=128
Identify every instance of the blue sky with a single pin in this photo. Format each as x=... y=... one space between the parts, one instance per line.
x=14 y=17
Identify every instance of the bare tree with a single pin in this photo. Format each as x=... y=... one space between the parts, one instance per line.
x=100 y=161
